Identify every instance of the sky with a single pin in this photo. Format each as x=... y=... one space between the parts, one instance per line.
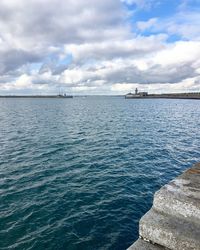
x=99 y=46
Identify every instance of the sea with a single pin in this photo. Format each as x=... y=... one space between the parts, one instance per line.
x=78 y=174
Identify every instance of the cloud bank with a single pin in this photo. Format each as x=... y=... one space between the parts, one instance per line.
x=98 y=47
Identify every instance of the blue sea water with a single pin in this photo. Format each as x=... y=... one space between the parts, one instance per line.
x=79 y=173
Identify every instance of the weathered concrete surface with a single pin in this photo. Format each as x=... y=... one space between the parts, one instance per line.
x=174 y=220
x=181 y=197
x=170 y=231
x=143 y=245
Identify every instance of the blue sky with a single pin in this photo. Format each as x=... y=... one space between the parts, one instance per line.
x=160 y=10
x=99 y=47
x=163 y=9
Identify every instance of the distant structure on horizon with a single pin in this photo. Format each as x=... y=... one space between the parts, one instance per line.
x=37 y=96
x=137 y=94
x=143 y=95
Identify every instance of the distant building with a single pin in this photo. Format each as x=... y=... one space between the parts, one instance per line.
x=136 y=95
x=143 y=93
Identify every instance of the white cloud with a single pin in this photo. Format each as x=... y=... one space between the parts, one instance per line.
x=124 y=87
x=90 y=45
x=136 y=47
x=179 y=53
x=143 y=25
x=141 y=4
x=183 y=24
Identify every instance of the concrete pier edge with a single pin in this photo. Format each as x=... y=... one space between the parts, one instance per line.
x=173 y=222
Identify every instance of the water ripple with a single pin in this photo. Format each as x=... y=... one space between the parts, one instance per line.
x=79 y=174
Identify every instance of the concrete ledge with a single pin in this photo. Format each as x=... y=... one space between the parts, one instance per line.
x=170 y=231
x=181 y=197
x=174 y=220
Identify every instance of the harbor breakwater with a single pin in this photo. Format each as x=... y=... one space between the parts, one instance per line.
x=173 y=222
x=194 y=96
x=36 y=96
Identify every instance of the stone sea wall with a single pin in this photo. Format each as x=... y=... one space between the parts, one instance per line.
x=173 y=222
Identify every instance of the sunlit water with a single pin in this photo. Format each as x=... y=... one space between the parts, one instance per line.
x=79 y=173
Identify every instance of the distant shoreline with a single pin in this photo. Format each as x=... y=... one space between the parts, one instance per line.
x=36 y=96
x=195 y=96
